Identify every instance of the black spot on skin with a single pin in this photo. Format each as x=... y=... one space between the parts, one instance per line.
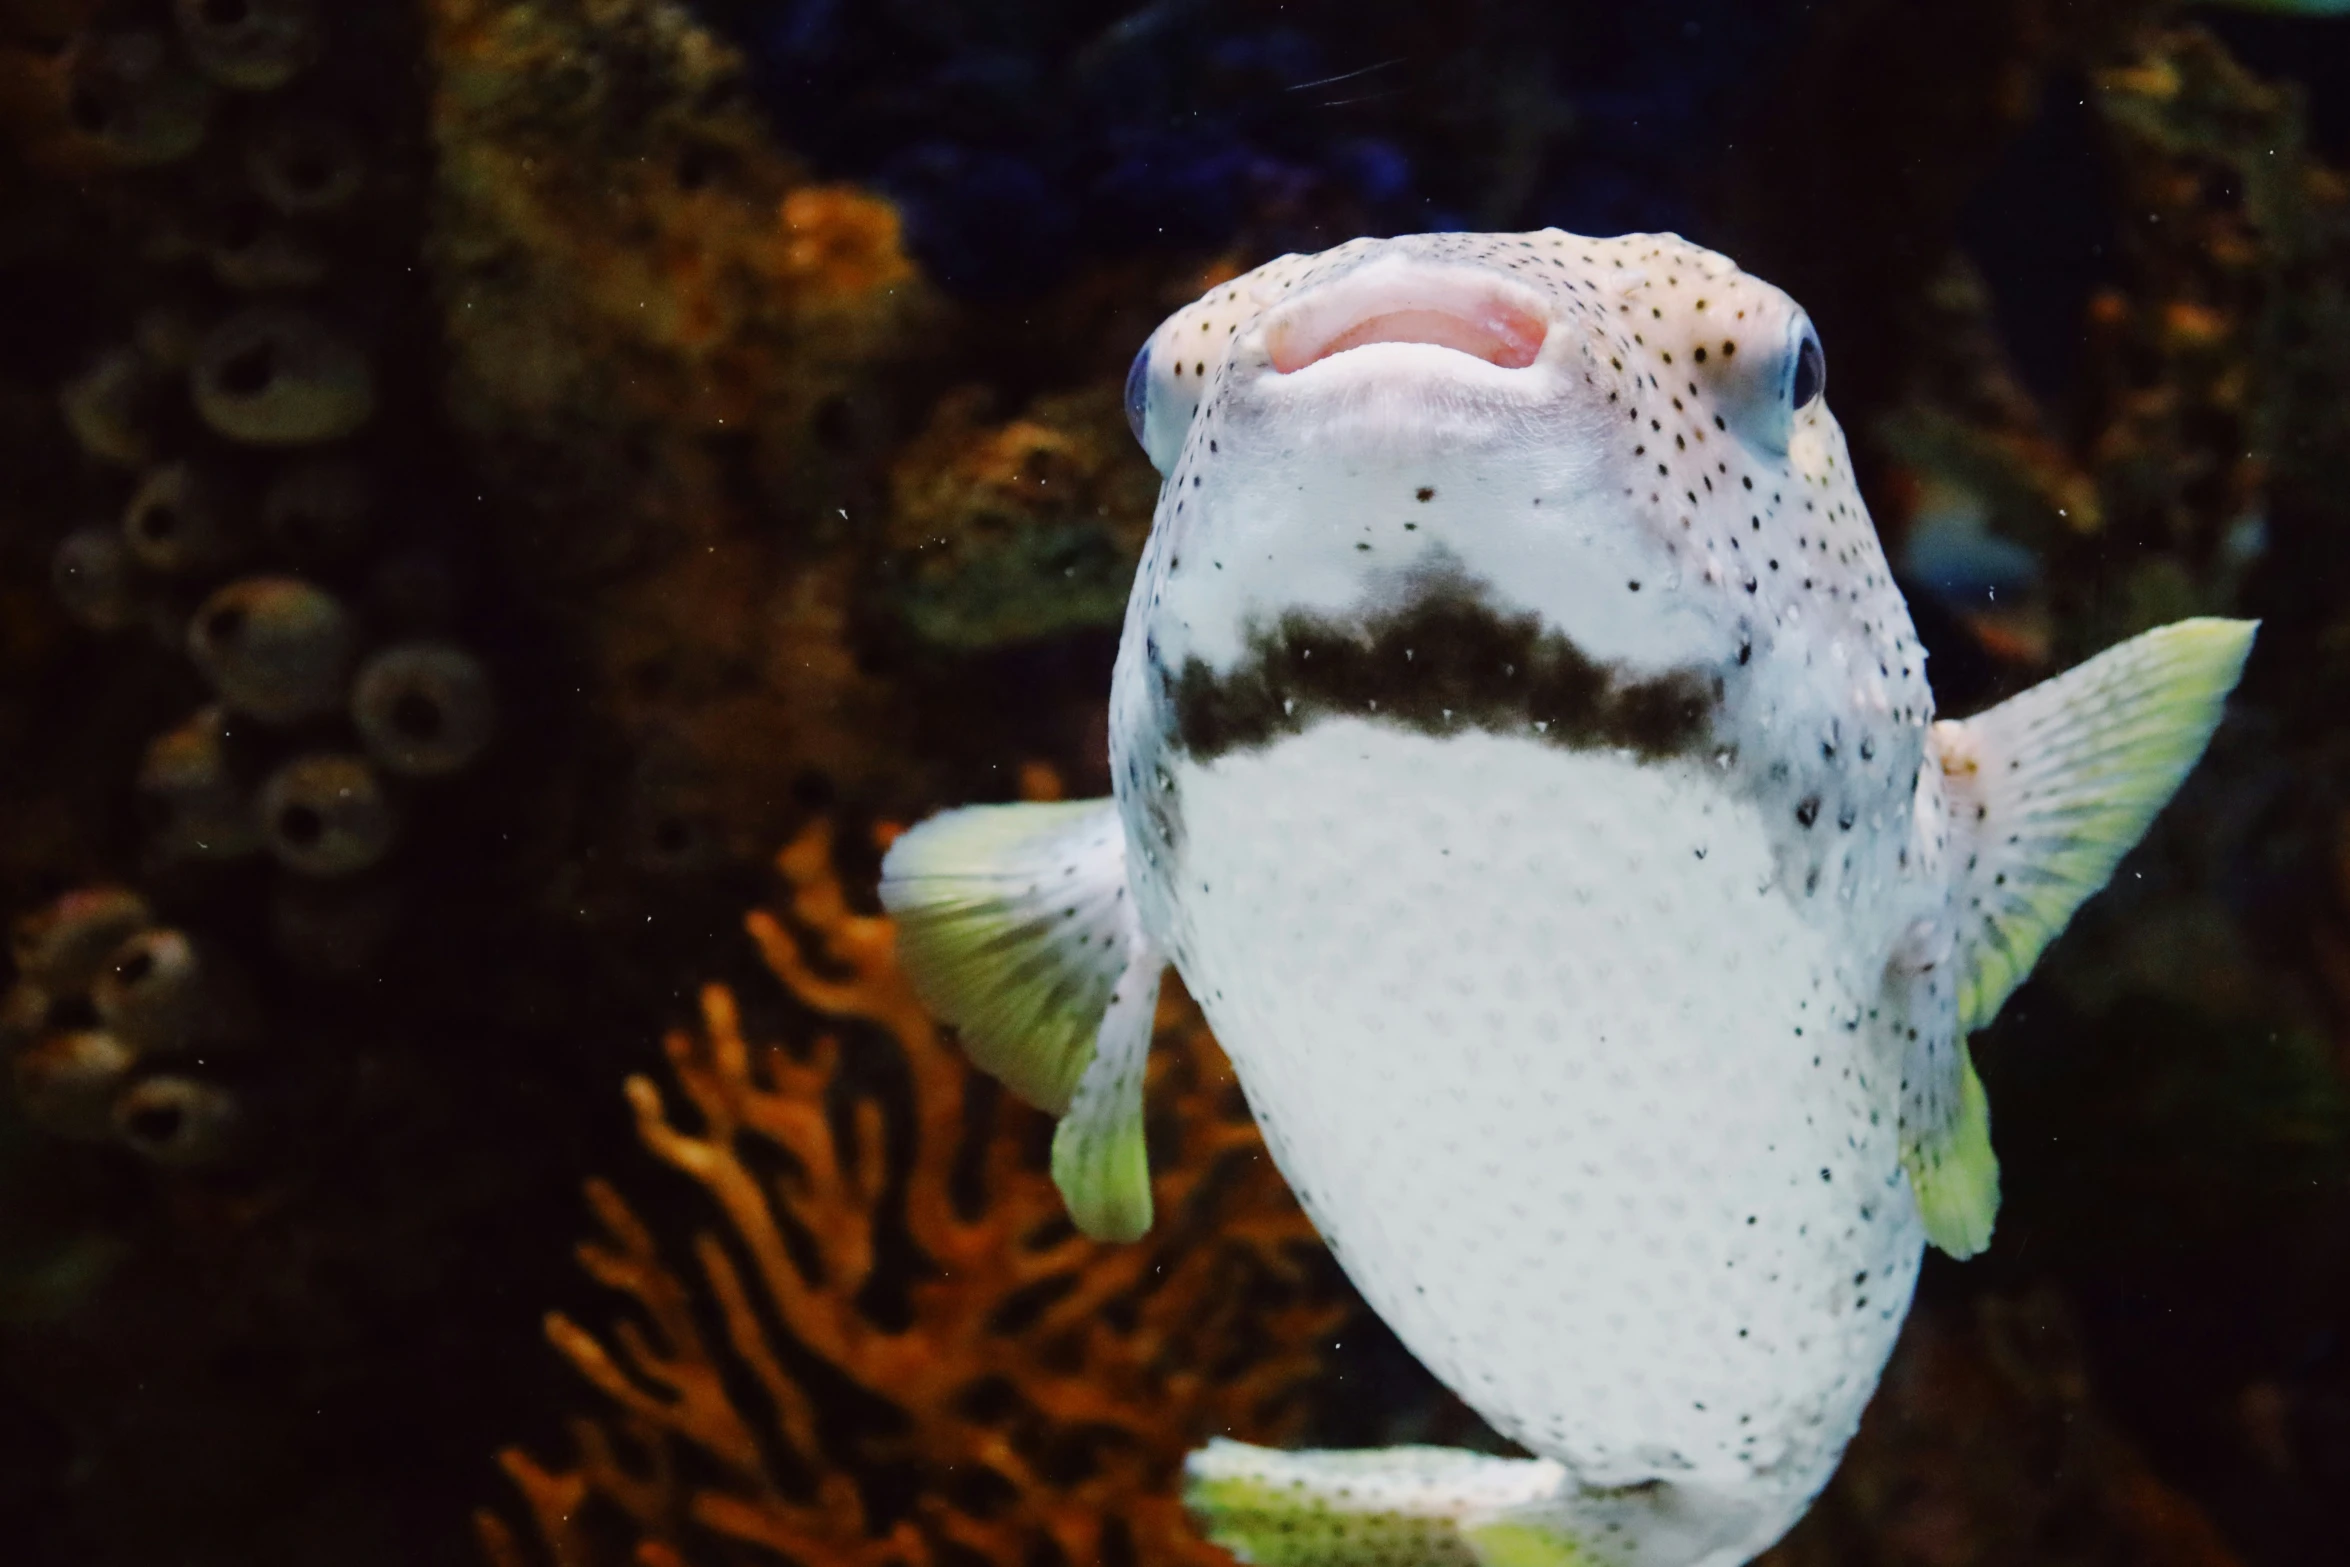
x=1424 y=493
x=1442 y=660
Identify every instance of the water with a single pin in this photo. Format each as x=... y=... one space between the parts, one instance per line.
x=488 y=477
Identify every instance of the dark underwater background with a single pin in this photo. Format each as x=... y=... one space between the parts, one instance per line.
x=505 y=504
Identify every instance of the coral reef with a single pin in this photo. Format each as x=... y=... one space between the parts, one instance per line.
x=2160 y=494
x=240 y=386
x=675 y=352
x=227 y=519
x=1037 y=1390
x=1007 y=533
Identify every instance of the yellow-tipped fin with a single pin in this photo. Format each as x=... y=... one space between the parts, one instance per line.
x=2049 y=790
x=1098 y=1158
x=1954 y=1172
x=2045 y=793
x=1015 y=925
x=1444 y=1507
x=1381 y=1507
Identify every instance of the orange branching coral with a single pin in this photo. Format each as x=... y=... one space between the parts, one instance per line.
x=1035 y=1398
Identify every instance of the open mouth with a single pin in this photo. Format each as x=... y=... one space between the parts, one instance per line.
x=1467 y=312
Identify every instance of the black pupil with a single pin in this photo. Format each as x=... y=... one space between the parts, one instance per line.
x=1811 y=371
x=301 y=825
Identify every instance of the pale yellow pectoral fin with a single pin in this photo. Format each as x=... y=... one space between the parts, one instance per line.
x=1098 y=1158
x=2046 y=792
x=1954 y=1172
x=1015 y=925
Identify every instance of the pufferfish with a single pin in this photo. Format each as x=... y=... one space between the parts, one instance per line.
x=1523 y=754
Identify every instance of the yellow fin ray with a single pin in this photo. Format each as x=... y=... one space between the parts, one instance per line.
x=2048 y=790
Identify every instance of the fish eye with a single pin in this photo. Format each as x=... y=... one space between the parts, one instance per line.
x=1138 y=393
x=1811 y=370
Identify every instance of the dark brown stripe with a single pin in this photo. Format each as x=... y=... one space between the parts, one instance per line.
x=1442 y=661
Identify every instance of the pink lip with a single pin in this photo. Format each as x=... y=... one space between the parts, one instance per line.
x=1448 y=308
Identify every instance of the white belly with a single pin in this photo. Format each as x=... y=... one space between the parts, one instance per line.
x=1566 y=1081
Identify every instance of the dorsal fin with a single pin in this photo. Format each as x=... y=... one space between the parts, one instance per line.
x=2047 y=791
x=1015 y=925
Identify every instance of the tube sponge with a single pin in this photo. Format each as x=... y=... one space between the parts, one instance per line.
x=153 y=992
x=67 y=1081
x=276 y=648
x=129 y=96
x=196 y=805
x=321 y=509
x=274 y=376
x=179 y=1122
x=113 y=405
x=60 y=947
x=423 y=708
x=90 y=573
x=326 y=814
x=176 y=522
x=250 y=45
x=302 y=166
x=252 y=251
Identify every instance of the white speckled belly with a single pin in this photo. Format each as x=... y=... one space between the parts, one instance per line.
x=1584 y=1106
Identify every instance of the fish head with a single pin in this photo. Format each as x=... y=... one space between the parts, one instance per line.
x=1615 y=434
x=1574 y=316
